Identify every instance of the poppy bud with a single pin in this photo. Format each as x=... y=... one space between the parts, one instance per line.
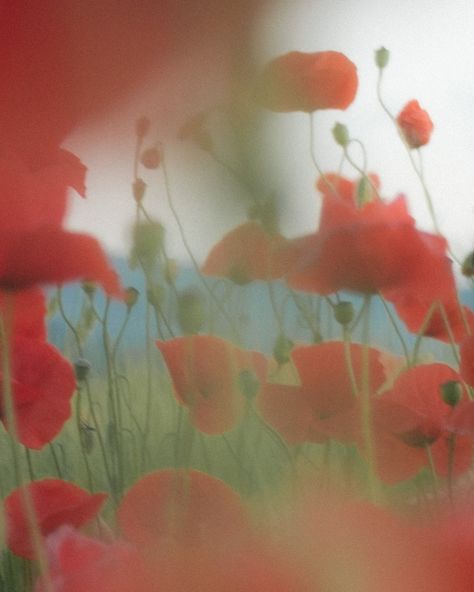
x=451 y=392
x=151 y=158
x=139 y=188
x=382 y=55
x=364 y=191
x=344 y=312
x=142 y=126
x=249 y=384
x=89 y=288
x=191 y=313
x=155 y=295
x=282 y=349
x=131 y=296
x=467 y=268
x=340 y=134
x=81 y=368
x=148 y=240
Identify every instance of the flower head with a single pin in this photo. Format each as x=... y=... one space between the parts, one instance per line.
x=415 y=124
x=308 y=82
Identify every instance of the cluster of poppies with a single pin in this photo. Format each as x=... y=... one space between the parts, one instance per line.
x=179 y=529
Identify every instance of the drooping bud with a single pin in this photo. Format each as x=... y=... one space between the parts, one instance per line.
x=282 y=349
x=89 y=288
x=191 y=311
x=131 y=296
x=340 y=134
x=148 y=240
x=382 y=55
x=451 y=392
x=151 y=158
x=248 y=383
x=344 y=312
x=81 y=368
x=156 y=295
x=138 y=188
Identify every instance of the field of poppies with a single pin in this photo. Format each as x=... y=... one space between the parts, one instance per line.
x=196 y=463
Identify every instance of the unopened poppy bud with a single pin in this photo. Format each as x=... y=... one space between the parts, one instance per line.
x=151 y=158
x=191 y=311
x=156 y=295
x=282 y=349
x=142 y=126
x=249 y=384
x=364 y=191
x=467 y=268
x=139 y=188
x=340 y=134
x=451 y=392
x=382 y=55
x=89 y=288
x=344 y=312
x=81 y=368
x=148 y=240
x=131 y=296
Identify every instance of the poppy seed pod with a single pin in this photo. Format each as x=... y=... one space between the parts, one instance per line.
x=138 y=188
x=382 y=56
x=151 y=158
x=344 y=312
x=82 y=368
x=451 y=392
x=282 y=349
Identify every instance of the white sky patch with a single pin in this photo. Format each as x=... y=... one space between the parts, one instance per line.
x=432 y=60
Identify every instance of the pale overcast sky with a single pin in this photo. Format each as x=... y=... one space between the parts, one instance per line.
x=432 y=60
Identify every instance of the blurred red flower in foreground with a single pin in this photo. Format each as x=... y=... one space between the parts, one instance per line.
x=307 y=82
x=368 y=249
x=245 y=254
x=28 y=311
x=43 y=384
x=207 y=374
x=34 y=247
x=466 y=367
x=413 y=416
x=447 y=319
x=415 y=124
x=57 y=503
x=179 y=506
x=324 y=405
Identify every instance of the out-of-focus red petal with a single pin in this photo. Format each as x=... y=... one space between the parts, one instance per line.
x=205 y=372
x=184 y=506
x=307 y=82
x=50 y=255
x=245 y=254
x=57 y=503
x=43 y=384
x=466 y=367
x=28 y=309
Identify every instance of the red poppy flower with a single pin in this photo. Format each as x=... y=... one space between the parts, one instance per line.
x=43 y=384
x=376 y=247
x=180 y=505
x=466 y=367
x=333 y=185
x=206 y=372
x=415 y=124
x=411 y=416
x=324 y=405
x=50 y=255
x=28 y=310
x=413 y=311
x=307 y=82
x=246 y=253
x=57 y=503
